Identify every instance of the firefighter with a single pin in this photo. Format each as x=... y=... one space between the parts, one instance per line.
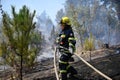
x=66 y=41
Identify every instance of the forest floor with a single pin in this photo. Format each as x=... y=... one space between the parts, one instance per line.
x=105 y=60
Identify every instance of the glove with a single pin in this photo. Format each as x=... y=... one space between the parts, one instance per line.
x=57 y=40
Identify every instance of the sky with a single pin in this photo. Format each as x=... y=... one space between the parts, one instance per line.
x=50 y=6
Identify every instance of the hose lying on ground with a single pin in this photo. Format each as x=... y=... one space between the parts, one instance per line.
x=92 y=67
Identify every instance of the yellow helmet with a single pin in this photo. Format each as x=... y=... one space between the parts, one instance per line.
x=65 y=20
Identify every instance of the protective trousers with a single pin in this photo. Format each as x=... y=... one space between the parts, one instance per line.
x=64 y=66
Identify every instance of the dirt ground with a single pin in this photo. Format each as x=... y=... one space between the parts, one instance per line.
x=108 y=65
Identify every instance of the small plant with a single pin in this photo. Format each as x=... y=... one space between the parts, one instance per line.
x=89 y=44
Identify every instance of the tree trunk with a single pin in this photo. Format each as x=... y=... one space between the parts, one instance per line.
x=81 y=38
x=109 y=32
x=21 y=68
x=90 y=56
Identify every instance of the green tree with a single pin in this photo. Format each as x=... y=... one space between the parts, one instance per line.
x=79 y=25
x=19 y=32
x=114 y=3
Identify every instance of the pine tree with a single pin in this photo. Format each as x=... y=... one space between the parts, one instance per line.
x=18 y=43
